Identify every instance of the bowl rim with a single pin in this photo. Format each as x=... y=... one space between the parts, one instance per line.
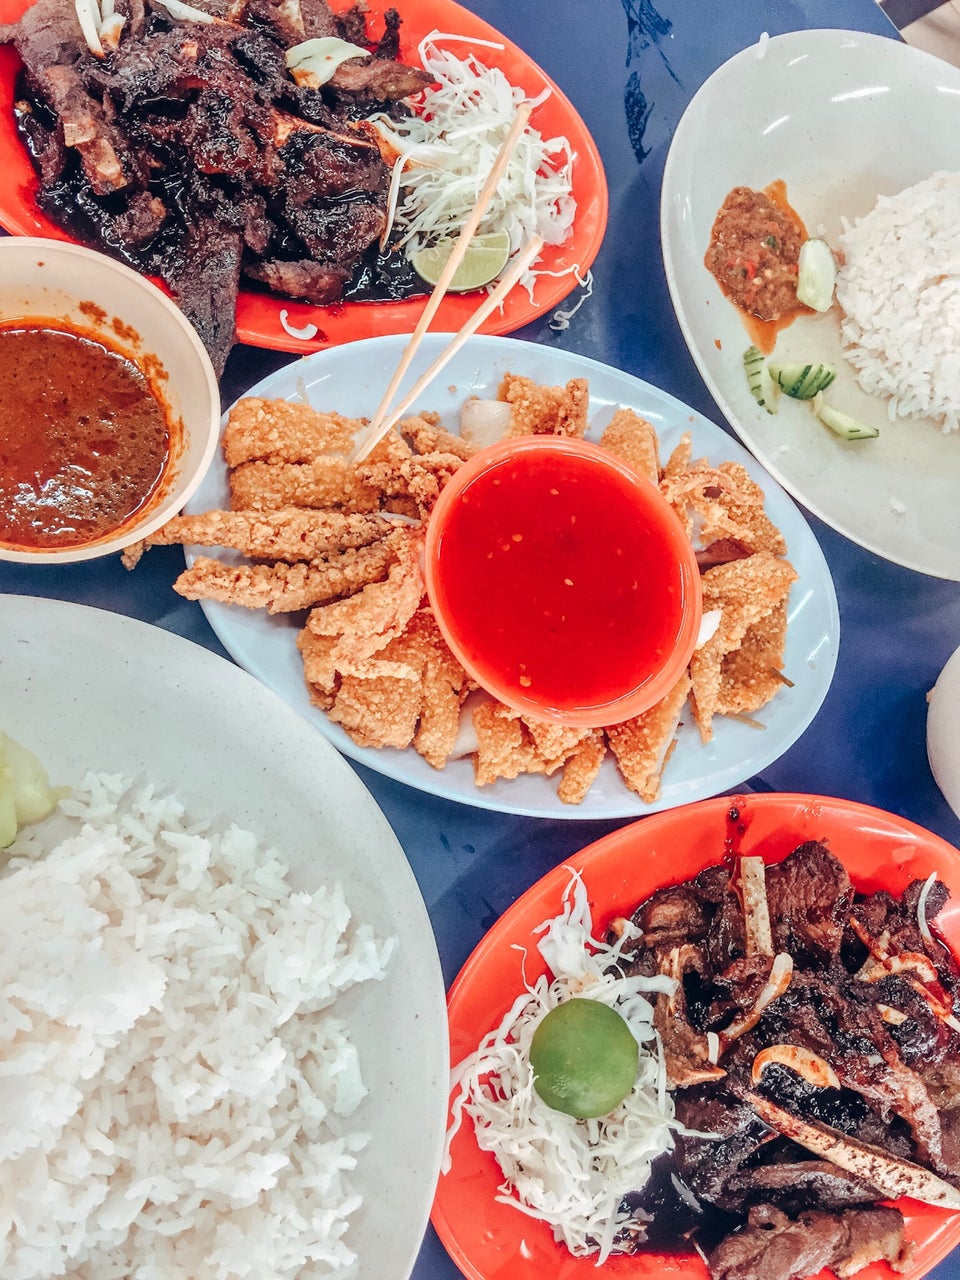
x=114 y=542
x=651 y=690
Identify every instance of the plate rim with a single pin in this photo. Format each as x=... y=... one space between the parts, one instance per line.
x=802 y=39
x=514 y=928
x=626 y=804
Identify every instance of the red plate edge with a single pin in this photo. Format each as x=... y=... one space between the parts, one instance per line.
x=258 y=314
x=490 y=1241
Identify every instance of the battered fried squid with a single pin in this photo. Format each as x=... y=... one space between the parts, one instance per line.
x=283 y=588
x=287 y=533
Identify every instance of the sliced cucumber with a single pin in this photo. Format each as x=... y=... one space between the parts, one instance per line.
x=802 y=381
x=842 y=424
x=816 y=275
x=762 y=387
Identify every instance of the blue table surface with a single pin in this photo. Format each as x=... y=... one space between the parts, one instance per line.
x=630 y=70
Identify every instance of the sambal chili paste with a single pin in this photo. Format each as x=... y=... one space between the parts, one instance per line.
x=754 y=253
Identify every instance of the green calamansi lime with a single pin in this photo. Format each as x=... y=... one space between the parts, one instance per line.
x=485 y=258
x=584 y=1058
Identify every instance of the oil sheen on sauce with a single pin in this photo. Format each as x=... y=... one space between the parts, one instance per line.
x=84 y=440
x=564 y=585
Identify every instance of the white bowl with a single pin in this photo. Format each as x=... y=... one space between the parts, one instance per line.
x=841 y=117
x=53 y=280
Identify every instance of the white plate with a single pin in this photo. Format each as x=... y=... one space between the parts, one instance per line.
x=841 y=117
x=351 y=379
x=87 y=689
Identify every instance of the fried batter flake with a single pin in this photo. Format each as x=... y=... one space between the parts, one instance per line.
x=752 y=674
x=634 y=440
x=504 y=750
x=283 y=431
x=538 y=410
x=379 y=710
x=642 y=746
x=364 y=623
x=426 y=435
x=510 y=743
x=721 y=503
x=328 y=481
x=319 y=666
x=418 y=478
x=680 y=458
x=410 y=693
x=746 y=592
x=581 y=768
x=287 y=533
x=284 y=588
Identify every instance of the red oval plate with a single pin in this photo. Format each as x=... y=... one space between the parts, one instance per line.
x=491 y=1241
x=258 y=314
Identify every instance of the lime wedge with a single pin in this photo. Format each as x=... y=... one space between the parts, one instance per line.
x=485 y=258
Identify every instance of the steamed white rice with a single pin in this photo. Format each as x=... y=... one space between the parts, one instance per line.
x=174 y=1089
x=899 y=289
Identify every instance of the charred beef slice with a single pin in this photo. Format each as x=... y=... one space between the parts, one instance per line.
x=890 y=1050
x=773 y=1246
x=809 y=896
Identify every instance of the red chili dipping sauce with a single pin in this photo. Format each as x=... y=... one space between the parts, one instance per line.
x=562 y=580
x=84 y=440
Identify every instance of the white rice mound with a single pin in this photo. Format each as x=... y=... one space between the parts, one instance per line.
x=174 y=1093
x=899 y=289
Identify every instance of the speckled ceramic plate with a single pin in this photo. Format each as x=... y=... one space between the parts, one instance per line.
x=86 y=689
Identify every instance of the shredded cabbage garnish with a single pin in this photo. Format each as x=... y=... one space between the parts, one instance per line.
x=446 y=151
x=562 y=316
x=569 y=1173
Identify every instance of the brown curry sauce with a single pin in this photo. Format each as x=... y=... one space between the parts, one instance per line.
x=84 y=439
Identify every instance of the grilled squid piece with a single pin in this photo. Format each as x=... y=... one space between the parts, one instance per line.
x=804 y=1062
x=889 y=1174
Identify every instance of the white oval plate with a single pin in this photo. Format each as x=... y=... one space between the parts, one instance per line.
x=351 y=379
x=86 y=689
x=841 y=117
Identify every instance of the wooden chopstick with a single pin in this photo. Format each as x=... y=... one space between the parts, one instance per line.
x=374 y=431
x=507 y=282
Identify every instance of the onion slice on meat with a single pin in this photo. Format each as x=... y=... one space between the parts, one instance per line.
x=88 y=15
x=814 y=1069
x=313 y=63
x=756 y=912
x=484 y=422
x=781 y=973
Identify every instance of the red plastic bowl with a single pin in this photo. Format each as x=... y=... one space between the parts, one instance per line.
x=562 y=580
